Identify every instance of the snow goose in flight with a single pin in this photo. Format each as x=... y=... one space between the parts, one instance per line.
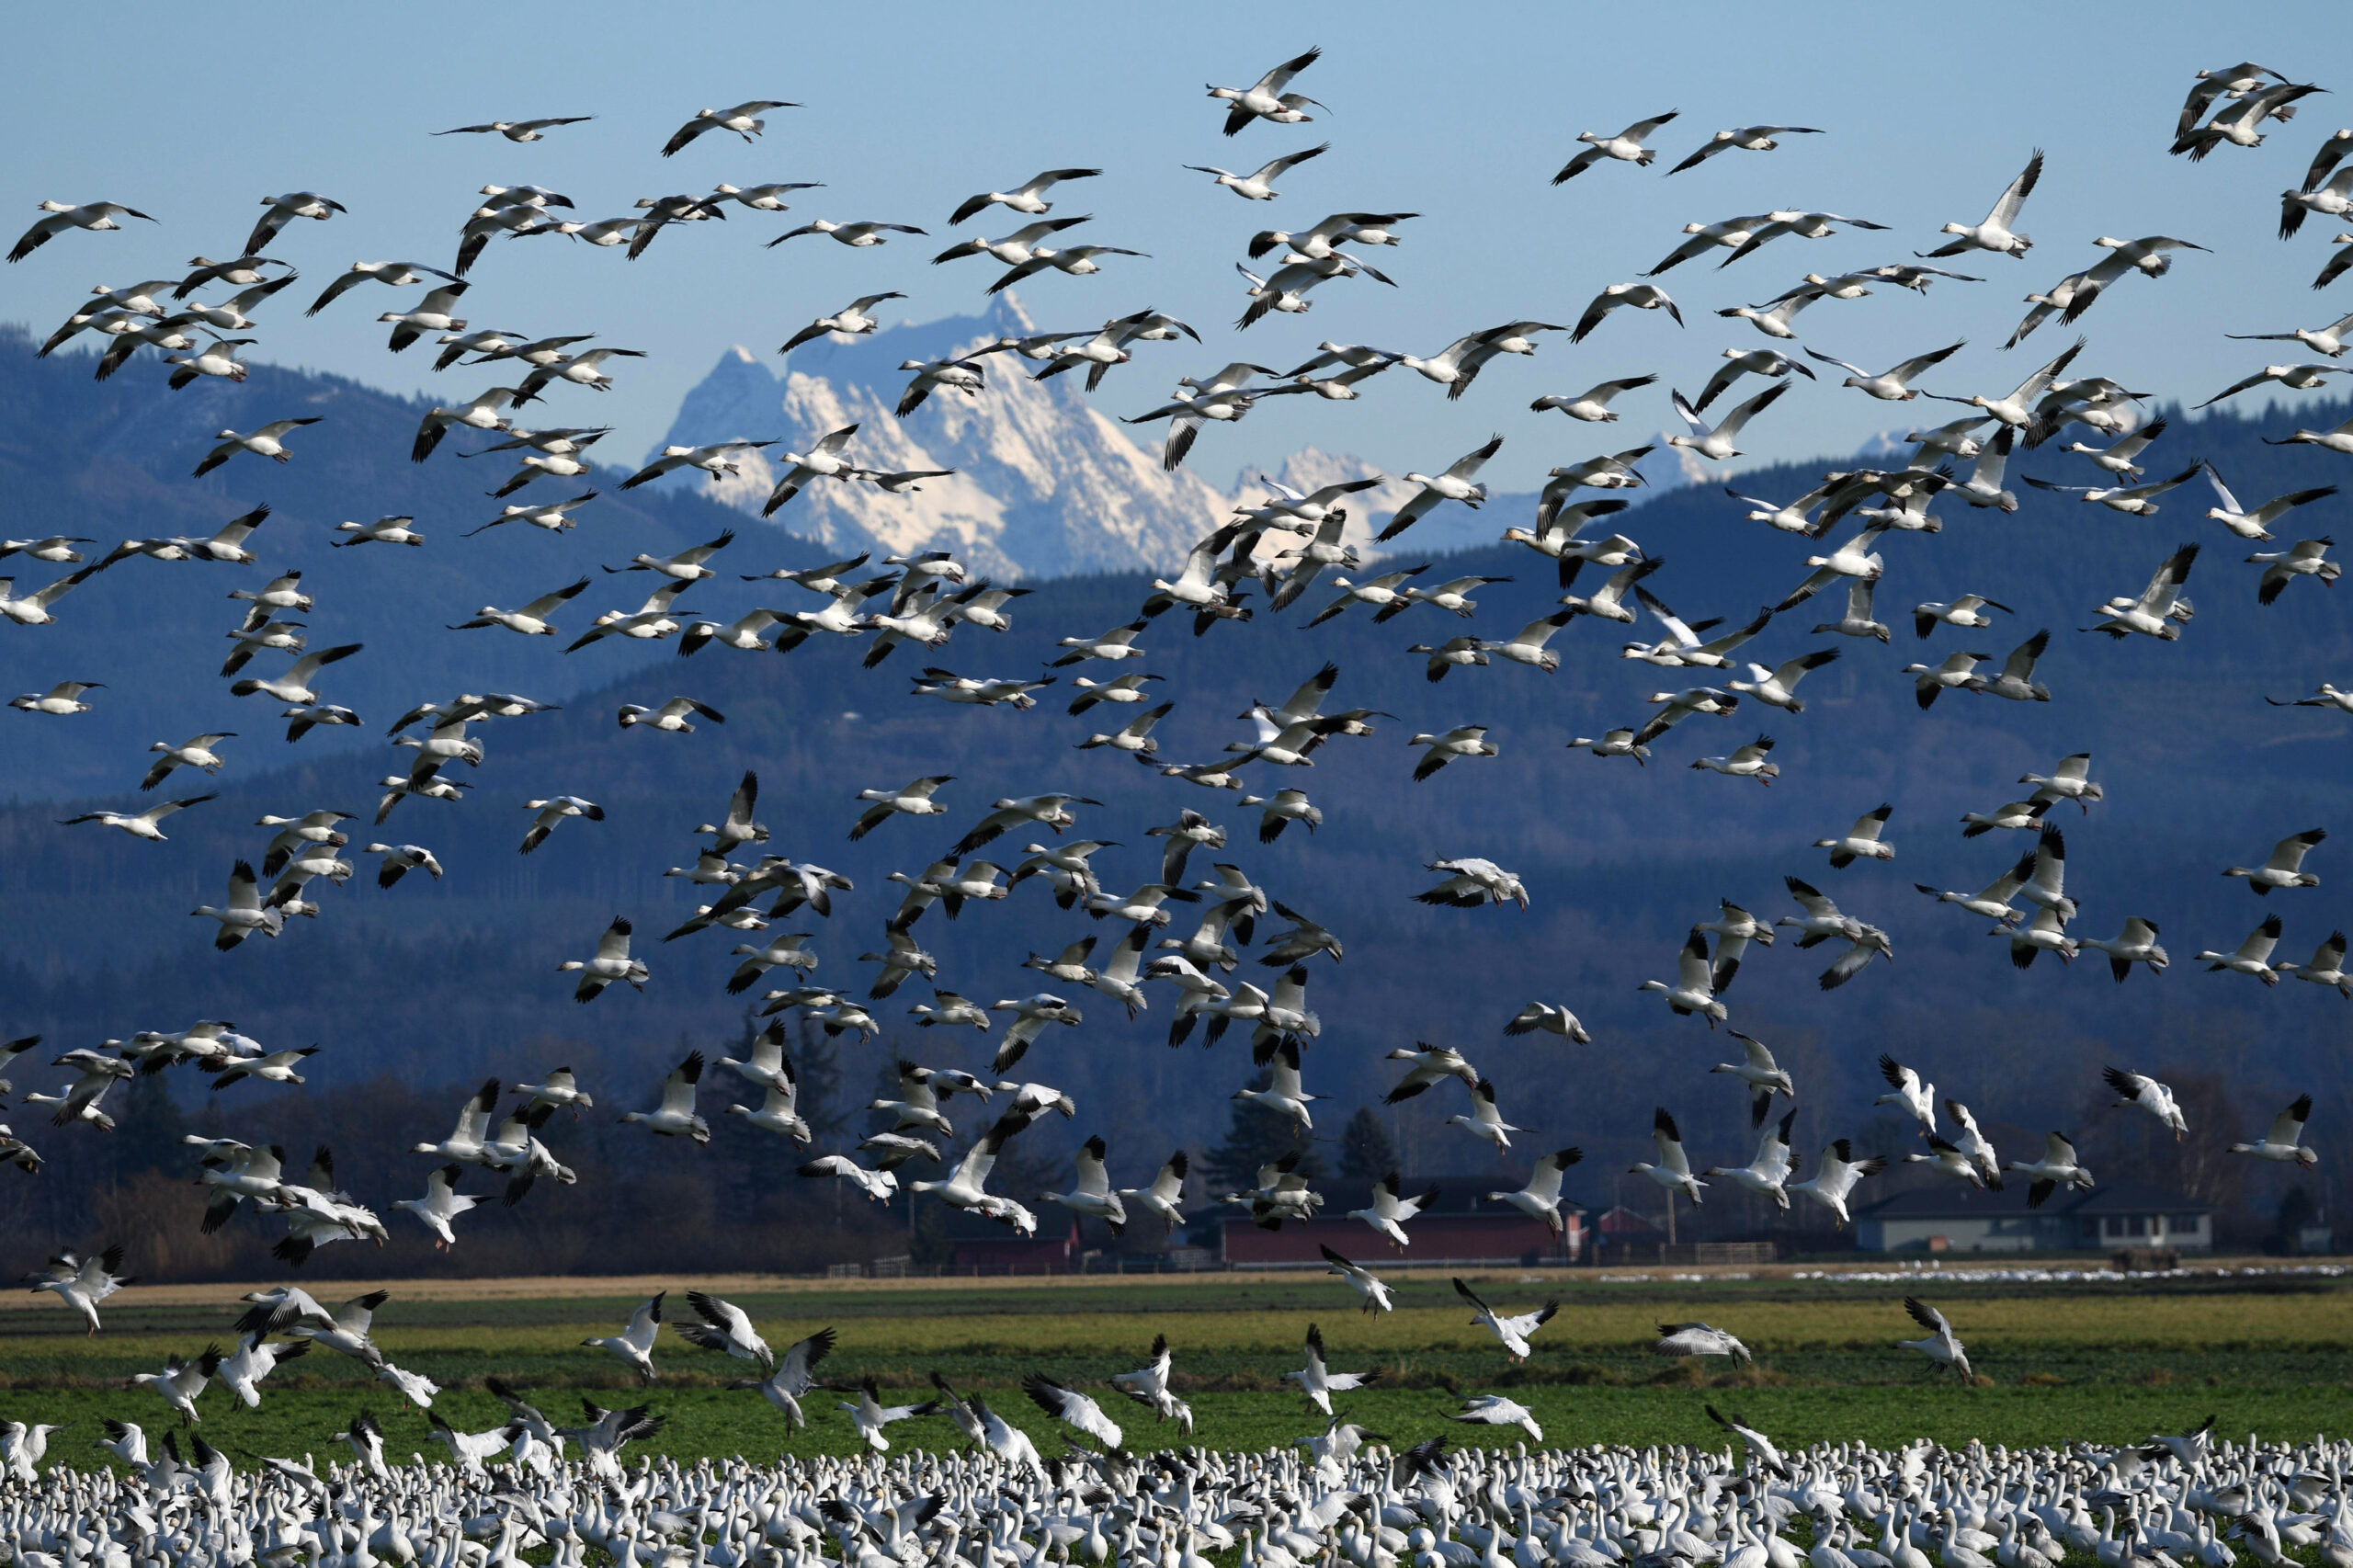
x=2283 y=1145
x=83 y=1282
x=1673 y=1168
x=967 y=376
x=383 y=530
x=1163 y=1197
x=1264 y=99
x=2327 y=190
x=2016 y=680
x=1694 y=991
x=1465 y=740
x=743 y=120
x=1717 y=442
x=441 y=1204
x=399 y=860
x=2137 y=943
x=1626 y=147
x=1486 y=1120
x=182 y=1379
x=2058 y=1167
x=92 y=215
x=1767 y=1173
x=1541 y=1198
x=244 y=914
x=862 y=234
x=1995 y=232
x=612 y=962
x=2328 y=696
x=1748 y=139
x=481 y=414
x=1777 y=687
x=675 y=1117
x=1909 y=1091
x=284 y=209
x=1471 y=883
x=1895 y=385
x=1994 y=902
x=1378 y=592
x=1857 y=619
x=1029 y=197
x=2285 y=867
x=1092 y=1194
x=1049 y=811
x=822 y=461
x=878 y=1185
x=670 y=718
x=1862 y=841
x=1260 y=185
x=1496 y=1410
x=1756 y=1068
x=2326 y=968
x=1615 y=296
x=2305 y=558
x=1680 y=647
x=1738 y=363
x=1548 y=1018
x=2235 y=123
x=781 y=952
x=1608 y=600
x=1283 y=1092
x=217 y=358
x=1734 y=929
x=1940 y=1346
x=552 y=812
x=1730 y=232
x=1592 y=405
x=57 y=550
x=2296 y=378
x=2338 y=438
x=1676 y=706
x=1773 y=318
x=2256 y=524
x=196 y=752
x=1068 y=1406
x=1751 y=761
x=1834 y=1178
x=914 y=800
x=967 y=1186
x=2138 y=1089
x=139 y=825
x=2148 y=255
x=2046 y=931
x=531 y=620
x=1698 y=1339
x=1075 y=261
x=264 y=440
x=717 y=460
x=633 y=1346
x=727 y=1328
x=34 y=608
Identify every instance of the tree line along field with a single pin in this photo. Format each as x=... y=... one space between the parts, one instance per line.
x=2101 y=1363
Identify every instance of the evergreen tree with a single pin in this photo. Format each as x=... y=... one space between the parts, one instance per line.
x=1366 y=1152
x=1254 y=1137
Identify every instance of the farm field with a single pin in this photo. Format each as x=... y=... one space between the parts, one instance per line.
x=2094 y=1361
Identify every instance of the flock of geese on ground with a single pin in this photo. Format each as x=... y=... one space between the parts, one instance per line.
x=1280 y=546
x=1347 y=1494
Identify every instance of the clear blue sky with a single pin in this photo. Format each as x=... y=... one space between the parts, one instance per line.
x=1462 y=114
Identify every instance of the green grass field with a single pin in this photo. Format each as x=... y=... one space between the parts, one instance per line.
x=2098 y=1362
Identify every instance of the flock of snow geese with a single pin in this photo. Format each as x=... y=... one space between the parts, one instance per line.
x=1349 y=1494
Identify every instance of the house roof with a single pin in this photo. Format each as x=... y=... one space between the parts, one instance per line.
x=1956 y=1201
